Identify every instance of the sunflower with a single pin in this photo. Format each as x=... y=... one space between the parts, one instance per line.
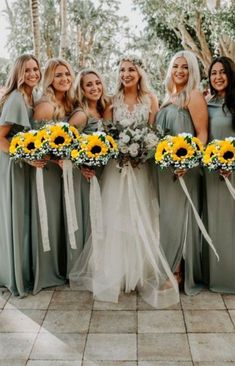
x=210 y=153
x=59 y=138
x=15 y=144
x=75 y=133
x=161 y=150
x=28 y=144
x=74 y=154
x=40 y=138
x=95 y=148
x=112 y=142
x=181 y=149
x=226 y=154
x=198 y=143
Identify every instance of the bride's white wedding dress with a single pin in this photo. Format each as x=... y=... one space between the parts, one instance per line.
x=128 y=256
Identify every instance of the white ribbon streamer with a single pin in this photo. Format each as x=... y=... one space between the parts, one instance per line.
x=42 y=207
x=197 y=217
x=96 y=216
x=230 y=187
x=70 y=202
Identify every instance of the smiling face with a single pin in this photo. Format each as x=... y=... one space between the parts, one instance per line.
x=92 y=87
x=62 y=79
x=31 y=74
x=218 y=78
x=180 y=73
x=128 y=74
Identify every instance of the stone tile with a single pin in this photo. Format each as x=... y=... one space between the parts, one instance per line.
x=71 y=300
x=232 y=314
x=161 y=321
x=229 y=301
x=163 y=347
x=142 y=305
x=109 y=363
x=116 y=347
x=208 y=321
x=113 y=322
x=214 y=363
x=13 y=362
x=125 y=302
x=67 y=321
x=160 y=363
x=203 y=301
x=56 y=346
x=13 y=321
x=4 y=296
x=37 y=302
x=16 y=346
x=53 y=363
x=212 y=347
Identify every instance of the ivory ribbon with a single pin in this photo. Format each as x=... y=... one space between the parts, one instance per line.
x=96 y=216
x=230 y=187
x=197 y=217
x=70 y=202
x=42 y=207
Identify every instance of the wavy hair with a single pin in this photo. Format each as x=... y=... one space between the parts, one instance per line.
x=229 y=68
x=15 y=79
x=80 y=98
x=182 y=98
x=143 y=90
x=60 y=111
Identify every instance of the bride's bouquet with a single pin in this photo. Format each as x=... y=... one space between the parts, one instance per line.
x=136 y=141
x=182 y=151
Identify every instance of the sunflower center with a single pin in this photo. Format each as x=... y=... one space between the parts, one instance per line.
x=31 y=146
x=59 y=140
x=96 y=149
x=181 y=152
x=228 y=155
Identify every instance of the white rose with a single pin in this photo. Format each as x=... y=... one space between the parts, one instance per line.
x=124 y=138
x=123 y=148
x=134 y=150
x=150 y=140
x=125 y=122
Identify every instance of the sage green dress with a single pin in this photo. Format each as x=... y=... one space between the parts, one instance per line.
x=15 y=262
x=220 y=209
x=47 y=266
x=81 y=192
x=179 y=233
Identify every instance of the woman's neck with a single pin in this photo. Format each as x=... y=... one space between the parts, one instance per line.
x=93 y=109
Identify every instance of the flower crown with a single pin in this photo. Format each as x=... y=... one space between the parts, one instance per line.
x=133 y=59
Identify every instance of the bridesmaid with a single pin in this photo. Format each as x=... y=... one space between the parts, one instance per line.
x=55 y=105
x=16 y=114
x=91 y=101
x=183 y=110
x=220 y=206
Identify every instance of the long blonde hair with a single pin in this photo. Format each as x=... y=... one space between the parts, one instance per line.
x=80 y=98
x=143 y=89
x=49 y=92
x=15 y=79
x=182 y=98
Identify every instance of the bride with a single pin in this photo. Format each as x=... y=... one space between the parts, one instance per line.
x=128 y=256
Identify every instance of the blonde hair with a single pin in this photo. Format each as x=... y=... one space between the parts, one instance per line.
x=49 y=92
x=81 y=99
x=143 y=90
x=182 y=98
x=15 y=79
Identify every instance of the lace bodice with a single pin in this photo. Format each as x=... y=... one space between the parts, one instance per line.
x=138 y=114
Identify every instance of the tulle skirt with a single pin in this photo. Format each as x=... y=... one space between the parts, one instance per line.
x=127 y=255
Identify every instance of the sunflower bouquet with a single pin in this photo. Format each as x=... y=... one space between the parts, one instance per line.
x=94 y=150
x=136 y=140
x=220 y=155
x=27 y=146
x=182 y=151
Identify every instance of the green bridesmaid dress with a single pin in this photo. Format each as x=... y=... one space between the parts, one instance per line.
x=220 y=210
x=82 y=192
x=15 y=251
x=47 y=265
x=179 y=233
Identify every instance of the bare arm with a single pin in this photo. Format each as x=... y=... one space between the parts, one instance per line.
x=153 y=109
x=79 y=120
x=108 y=113
x=43 y=112
x=198 y=110
x=4 y=143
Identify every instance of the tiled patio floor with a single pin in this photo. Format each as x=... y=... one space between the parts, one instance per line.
x=59 y=327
